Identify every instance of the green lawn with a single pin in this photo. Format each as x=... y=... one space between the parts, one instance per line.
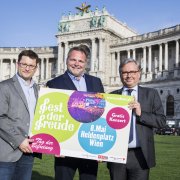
x=167 y=159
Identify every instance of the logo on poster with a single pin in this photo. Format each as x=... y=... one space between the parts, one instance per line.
x=51 y=117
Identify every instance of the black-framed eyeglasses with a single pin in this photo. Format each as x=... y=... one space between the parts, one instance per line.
x=131 y=73
x=23 y=65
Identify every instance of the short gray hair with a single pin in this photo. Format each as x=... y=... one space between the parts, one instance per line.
x=81 y=48
x=128 y=60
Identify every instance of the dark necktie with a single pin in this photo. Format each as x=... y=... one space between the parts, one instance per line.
x=131 y=124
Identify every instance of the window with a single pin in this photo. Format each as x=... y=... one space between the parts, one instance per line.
x=170 y=106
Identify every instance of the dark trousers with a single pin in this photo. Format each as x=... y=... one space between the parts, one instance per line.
x=65 y=168
x=135 y=169
x=19 y=170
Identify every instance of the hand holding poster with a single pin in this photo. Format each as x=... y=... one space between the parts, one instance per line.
x=82 y=124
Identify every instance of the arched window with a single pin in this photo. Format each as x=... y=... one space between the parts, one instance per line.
x=170 y=106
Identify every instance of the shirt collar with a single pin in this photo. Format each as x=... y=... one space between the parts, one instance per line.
x=134 y=88
x=20 y=79
x=74 y=77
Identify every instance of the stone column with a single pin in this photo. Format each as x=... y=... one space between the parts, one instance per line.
x=65 y=54
x=47 y=68
x=92 y=54
x=143 y=77
x=160 y=57
x=59 y=60
x=134 y=54
x=118 y=63
x=177 y=53
x=177 y=61
x=113 y=65
x=166 y=57
x=165 y=71
x=129 y=54
x=149 y=74
x=144 y=60
x=149 y=59
x=101 y=60
x=42 y=68
x=113 y=69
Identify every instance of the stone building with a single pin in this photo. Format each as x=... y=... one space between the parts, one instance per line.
x=109 y=42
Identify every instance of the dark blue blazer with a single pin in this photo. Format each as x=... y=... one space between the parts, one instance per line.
x=152 y=117
x=63 y=81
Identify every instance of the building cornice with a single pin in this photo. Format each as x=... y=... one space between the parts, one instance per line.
x=148 y=37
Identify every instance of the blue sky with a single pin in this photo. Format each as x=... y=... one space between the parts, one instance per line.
x=33 y=23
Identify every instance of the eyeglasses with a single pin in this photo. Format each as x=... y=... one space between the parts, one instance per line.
x=132 y=73
x=31 y=67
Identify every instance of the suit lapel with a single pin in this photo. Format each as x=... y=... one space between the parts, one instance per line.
x=68 y=82
x=89 y=83
x=119 y=91
x=20 y=91
x=140 y=95
x=36 y=88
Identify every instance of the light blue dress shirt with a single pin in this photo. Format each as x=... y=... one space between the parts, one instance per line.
x=30 y=97
x=80 y=83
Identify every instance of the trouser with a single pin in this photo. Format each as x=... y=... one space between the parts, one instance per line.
x=65 y=168
x=135 y=169
x=19 y=170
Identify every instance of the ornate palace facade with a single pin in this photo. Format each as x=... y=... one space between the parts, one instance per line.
x=109 y=42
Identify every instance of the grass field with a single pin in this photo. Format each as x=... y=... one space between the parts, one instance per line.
x=167 y=160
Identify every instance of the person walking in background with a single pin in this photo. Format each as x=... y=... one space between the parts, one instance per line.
x=147 y=113
x=18 y=97
x=75 y=79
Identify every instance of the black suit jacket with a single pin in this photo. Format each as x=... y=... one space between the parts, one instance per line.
x=93 y=84
x=152 y=117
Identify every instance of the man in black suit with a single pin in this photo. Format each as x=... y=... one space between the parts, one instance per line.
x=76 y=79
x=147 y=113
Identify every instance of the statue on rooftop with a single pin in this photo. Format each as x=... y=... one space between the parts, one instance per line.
x=60 y=27
x=84 y=8
x=66 y=27
x=101 y=21
x=93 y=22
x=104 y=9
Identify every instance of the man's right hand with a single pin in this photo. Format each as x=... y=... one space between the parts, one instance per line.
x=25 y=147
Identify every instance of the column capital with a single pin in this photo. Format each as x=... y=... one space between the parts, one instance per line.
x=60 y=43
x=101 y=38
x=93 y=39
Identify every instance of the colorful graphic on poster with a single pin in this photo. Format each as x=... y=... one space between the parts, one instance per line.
x=86 y=107
x=82 y=124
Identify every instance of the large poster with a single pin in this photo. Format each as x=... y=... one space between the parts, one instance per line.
x=82 y=124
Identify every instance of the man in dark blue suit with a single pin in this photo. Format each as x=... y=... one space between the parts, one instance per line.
x=147 y=113
x=76 y=79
